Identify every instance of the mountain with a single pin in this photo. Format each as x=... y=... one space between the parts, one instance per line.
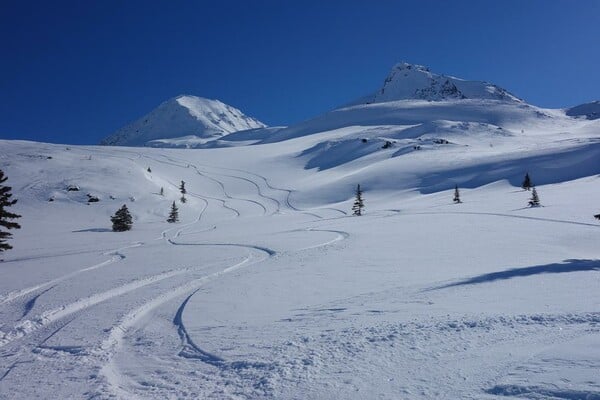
x=588 y=110
x=199 y=118
x=417 y=82
x=413 y=95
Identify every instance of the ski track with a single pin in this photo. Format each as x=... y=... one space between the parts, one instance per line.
x=287 y=192
x=219 y=183
x=340 y=235
x=28 y=327
x=116 y=256
x=116 y=338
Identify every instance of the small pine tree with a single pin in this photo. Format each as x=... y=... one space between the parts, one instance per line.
x=527 y=184
x=359 y=205
x=183 y=199
x=162 y=191
x=456 y=195
x=174 y=214
x=182 y=188
x=121 y=220
x=149 y=170
x=6 y=217
x=535 y=200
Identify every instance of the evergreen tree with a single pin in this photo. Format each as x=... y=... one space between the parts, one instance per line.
x=149 y=170
x=456 y=195
x=182 y=188
x=162 y=191
x=183 y=199
x=535 y=200
x=121 y=220
x=358 y=205
x=5 y=215
x=174 y=214
x=527 y=184
x=597 y=216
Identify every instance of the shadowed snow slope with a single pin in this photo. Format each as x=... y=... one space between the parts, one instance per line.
x=588 y=110
x=181 y=116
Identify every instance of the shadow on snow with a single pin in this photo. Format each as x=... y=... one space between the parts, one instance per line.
x=556 y=268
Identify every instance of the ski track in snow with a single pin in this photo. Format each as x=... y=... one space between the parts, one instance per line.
x=116 y=256
x=27 y=327
x=117 y=334
x=219 y=183
x=189 y=349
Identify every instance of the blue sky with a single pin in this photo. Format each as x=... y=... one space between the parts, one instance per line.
x=75 y=71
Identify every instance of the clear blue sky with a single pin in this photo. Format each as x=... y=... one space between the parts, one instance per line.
x=75 y=71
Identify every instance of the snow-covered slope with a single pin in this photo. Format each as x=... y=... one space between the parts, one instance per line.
x=588 y=110
x=269 y=289
x=417 y=82
x=197 y=118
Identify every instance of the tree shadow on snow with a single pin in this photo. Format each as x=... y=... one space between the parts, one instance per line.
x=556 y=268
x=93 y=230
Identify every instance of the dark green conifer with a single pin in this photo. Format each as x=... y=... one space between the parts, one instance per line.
x=6 y=217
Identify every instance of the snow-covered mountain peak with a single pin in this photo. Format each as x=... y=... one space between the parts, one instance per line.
x=184 y=115
x=416 y=82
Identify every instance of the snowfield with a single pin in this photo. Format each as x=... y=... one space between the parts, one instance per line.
x=268 y=287
x=261 y=292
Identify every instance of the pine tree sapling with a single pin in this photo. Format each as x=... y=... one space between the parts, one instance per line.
x=357 y=207
x=535 y=200
x=6 y=217
x=527 y=184
x=122 y=220
x=456 y=195
x=183 y=199
x=182 y=188
x=173 y=214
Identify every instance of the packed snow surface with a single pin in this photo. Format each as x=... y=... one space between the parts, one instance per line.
x=195 y=117
x=268 y=289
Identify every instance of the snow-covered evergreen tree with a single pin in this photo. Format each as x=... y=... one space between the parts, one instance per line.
x=6 y=217
x=174 y=214
x=183 y=199
x=535 y=199
x=597 y=216
x=122 y=220
x=182 y=188
x=456 y=195
x=359 y=205
x=527 y=184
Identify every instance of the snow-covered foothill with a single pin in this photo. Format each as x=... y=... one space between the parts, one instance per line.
x=195 y=117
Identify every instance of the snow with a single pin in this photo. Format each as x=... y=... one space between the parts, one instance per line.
x=269 y=289
x=195 y=117
x=588 y=110
x=408 y=81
